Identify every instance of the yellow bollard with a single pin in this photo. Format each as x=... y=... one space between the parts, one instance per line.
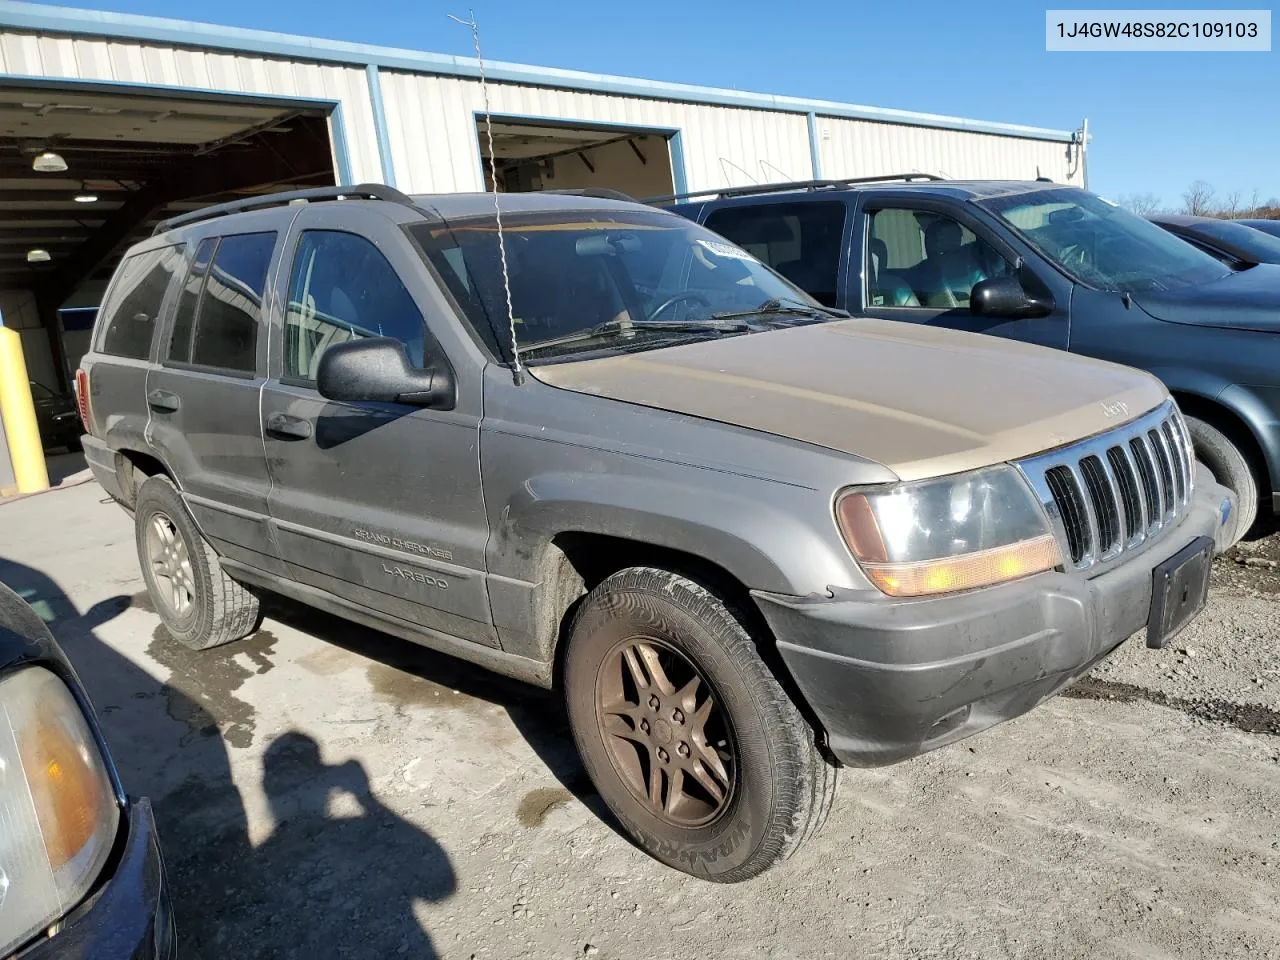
x=19 y=413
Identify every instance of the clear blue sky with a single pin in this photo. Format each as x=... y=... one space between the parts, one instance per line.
x=1159 y=120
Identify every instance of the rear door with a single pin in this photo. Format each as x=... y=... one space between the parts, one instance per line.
x=204 y=394
x=917 y=259
x=378 y=503
x=142 y=289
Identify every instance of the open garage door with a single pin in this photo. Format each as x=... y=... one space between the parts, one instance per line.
x=541 y=156
x=85 y=171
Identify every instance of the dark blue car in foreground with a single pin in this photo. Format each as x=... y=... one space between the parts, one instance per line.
x=1044 y=263
x=80 y=871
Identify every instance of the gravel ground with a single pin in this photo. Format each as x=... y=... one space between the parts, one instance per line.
x=326 y=791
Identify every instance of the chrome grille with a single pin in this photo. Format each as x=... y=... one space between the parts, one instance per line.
x=1115 y=491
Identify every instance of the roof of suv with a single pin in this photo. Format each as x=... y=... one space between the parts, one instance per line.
x=954 y=189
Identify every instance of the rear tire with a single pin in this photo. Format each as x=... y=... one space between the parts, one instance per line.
x=1230 y=468
x=663 y=681
x=197 y=602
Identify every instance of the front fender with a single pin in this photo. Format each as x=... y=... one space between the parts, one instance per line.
x=760 y=533
x=1257 y=407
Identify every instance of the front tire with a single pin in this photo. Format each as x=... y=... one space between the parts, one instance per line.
x=686 y=732
x=1230 y=468
x=197 y=602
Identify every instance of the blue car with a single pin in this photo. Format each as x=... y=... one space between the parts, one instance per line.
x=80 y=868
x=1044 y=263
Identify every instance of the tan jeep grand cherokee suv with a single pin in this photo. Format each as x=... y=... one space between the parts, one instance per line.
x=749 y=538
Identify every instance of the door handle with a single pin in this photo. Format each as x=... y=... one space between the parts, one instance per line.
x=287 y=427
x=164 y=401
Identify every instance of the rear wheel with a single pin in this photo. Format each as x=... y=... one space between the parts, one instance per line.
x=686 y=732
x=1229 y=467
x=197 y=602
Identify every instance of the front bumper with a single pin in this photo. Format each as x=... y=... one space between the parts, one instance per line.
x=889 y=679
x=129 y=916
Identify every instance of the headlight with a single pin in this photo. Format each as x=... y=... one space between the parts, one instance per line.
x=950 y=533
x=58 y=814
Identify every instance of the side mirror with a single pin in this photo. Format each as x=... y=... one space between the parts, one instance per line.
x=378 y=369
x=1005 y=297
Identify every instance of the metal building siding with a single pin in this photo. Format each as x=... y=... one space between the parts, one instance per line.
x=858 y=148
x=434 y=146
x=57 y=57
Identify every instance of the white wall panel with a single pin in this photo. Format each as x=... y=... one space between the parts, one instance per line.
x=70 y=58
x=435 y=149
x=862 y=148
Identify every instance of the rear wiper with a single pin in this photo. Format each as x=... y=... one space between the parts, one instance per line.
x=715 y=325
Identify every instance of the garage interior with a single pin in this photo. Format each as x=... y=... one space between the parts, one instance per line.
x=86 y=172
x=533 y=156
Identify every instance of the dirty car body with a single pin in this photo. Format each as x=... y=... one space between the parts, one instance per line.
x=679 y=411
x=69 y=890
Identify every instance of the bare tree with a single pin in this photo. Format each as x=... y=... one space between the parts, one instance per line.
x=1140 y=203
x=1198 y=199
x=1230 y=208
x=1254 y=204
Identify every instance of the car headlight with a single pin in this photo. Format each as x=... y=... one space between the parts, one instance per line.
x=949 y=533
x=58 y=812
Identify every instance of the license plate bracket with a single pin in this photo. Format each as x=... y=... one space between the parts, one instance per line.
x=1179 y=587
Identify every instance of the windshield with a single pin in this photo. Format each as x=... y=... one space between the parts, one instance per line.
x=608 y=279
x=1271 y=227
x=1247 y=242
x=1101 y=244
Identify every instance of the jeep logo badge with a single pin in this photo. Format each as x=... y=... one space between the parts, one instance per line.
x=1114 y=408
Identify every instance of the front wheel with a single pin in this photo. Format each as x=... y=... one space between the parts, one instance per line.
x=1229 y=467
x=686 y=732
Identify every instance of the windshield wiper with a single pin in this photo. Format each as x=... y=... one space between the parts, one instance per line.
x=715 y=325
x=786 y=306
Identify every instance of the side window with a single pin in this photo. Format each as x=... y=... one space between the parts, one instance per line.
x=342 y=288
x=800 y=240
x=917 y=258
x=230 y=311
x=184 y=318
x=136 y=298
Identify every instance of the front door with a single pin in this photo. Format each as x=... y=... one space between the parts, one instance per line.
x=920 y=262
x=378 y=503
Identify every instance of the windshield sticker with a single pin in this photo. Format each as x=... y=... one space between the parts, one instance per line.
x=726 y=250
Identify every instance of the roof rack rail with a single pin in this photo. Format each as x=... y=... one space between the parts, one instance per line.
x=726 y=192
x=600 y=193
x=364 y=191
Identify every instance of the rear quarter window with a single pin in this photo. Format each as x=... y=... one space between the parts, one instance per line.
x=137 y=296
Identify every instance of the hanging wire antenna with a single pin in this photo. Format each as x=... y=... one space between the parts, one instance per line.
x=518 y=371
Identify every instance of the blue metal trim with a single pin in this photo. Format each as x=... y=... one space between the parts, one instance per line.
x=34 y=17
x=380 y=128
x=341 y=162
x=673 y=135
x=815 y=155
x=679 y=173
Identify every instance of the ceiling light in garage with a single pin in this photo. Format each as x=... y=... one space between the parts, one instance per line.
x=48 y=162
x=36 y=255
x=83 y=197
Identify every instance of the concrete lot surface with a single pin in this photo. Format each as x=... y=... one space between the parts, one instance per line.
x=326 y=791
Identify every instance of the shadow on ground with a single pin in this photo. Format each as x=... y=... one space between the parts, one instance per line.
x=320 y=884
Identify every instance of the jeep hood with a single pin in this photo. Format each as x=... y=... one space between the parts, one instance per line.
x=920 y=400
x=1248 y=300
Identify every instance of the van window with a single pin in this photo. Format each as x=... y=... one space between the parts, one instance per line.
x=184 y=317
x=226 y=331
x=136 y=298
x=342 y=288
x=918 y=258
x=800 y=240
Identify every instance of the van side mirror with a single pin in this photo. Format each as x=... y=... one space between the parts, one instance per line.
x=377 y=369
x=1005 y=297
